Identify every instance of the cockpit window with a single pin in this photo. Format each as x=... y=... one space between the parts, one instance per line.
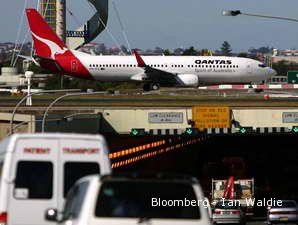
x=263 y=65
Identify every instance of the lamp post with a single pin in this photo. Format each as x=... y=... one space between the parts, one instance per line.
x=60 y=98
x=29 y=95
x=238 y=12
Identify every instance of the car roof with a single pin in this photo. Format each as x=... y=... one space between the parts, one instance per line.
x=150 y=177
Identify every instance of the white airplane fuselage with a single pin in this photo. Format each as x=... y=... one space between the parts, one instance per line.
x=186 y=71
x=209 y=69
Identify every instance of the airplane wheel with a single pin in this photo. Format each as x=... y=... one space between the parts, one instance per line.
x=155 y=86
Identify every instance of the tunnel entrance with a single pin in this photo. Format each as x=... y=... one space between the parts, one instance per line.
x=272 y=160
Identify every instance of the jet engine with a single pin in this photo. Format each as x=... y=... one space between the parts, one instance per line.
x=189 y=80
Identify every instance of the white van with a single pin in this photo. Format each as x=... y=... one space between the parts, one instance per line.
x=37 y=171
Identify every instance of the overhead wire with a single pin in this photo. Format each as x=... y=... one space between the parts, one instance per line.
x=18 y=32
x=122 y=27
x=108 y=31
x=74 y=16
x=27 y=33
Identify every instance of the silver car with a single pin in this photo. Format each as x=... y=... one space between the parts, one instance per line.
x=228 y=212
x=286 y=213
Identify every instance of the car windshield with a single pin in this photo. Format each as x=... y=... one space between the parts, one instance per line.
x=227 y=205
x=74 y=201
x=146 y=199
x=286 y=204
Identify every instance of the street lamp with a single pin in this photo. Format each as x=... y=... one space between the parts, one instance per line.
x=60 y=98
x=238 y=12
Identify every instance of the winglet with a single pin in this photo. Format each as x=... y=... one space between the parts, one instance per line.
x=139 y=59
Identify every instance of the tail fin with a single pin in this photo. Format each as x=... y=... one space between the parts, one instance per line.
x=46 y=42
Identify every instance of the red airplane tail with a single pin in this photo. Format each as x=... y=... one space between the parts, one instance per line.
x=229 y=189
x=46 y=42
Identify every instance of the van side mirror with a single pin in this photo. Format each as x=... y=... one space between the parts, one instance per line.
x=51 y=215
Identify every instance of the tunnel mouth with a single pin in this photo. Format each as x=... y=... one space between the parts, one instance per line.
x=270 y=159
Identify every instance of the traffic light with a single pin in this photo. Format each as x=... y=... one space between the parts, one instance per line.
x=137 y=132
x=245 y=130
x=295 y=130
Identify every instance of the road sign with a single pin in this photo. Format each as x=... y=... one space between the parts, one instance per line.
x=165 y=117
x=293 y=77
x=137 y=132
x=191 y=131
x=295 y=129
x=211 y=117
x=245 y=130
x=290 y=117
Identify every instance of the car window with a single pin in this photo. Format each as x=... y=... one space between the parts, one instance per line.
x=133 y=199
x=34 y=180
x=74 y=201
x=73 y=171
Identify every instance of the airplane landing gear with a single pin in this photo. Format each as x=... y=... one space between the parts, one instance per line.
x=155 y=86
x=151 y=87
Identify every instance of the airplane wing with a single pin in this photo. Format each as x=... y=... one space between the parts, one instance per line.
x=156 y=75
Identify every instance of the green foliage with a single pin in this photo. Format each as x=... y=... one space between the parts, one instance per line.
x=190 y=51
x=226 y=48
x=167 y=52
x=243 y=55
x=206 y=52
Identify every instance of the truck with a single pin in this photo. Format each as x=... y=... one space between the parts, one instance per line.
x=243 y=191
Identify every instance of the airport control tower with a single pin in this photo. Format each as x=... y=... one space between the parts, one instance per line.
x=54 y=13
x=49 y=6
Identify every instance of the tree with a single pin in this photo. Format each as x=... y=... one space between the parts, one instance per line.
x=167 y=52
x=243 y=55
x=226 y=48
x=206 y=52
x=190 y=51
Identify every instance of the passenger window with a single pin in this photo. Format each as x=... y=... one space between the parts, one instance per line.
x=73 y=171
x=34 y=180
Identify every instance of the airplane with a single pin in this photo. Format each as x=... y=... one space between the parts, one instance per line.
x=154 y=71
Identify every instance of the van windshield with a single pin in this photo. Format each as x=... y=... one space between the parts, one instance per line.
x=139 y=199
x=73 y=171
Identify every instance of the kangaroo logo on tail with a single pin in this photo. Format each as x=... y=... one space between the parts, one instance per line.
x=55 y=49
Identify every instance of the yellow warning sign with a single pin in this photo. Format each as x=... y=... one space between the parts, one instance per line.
x=211 y=117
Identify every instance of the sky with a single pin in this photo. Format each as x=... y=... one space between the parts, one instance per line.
x=176 y=23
